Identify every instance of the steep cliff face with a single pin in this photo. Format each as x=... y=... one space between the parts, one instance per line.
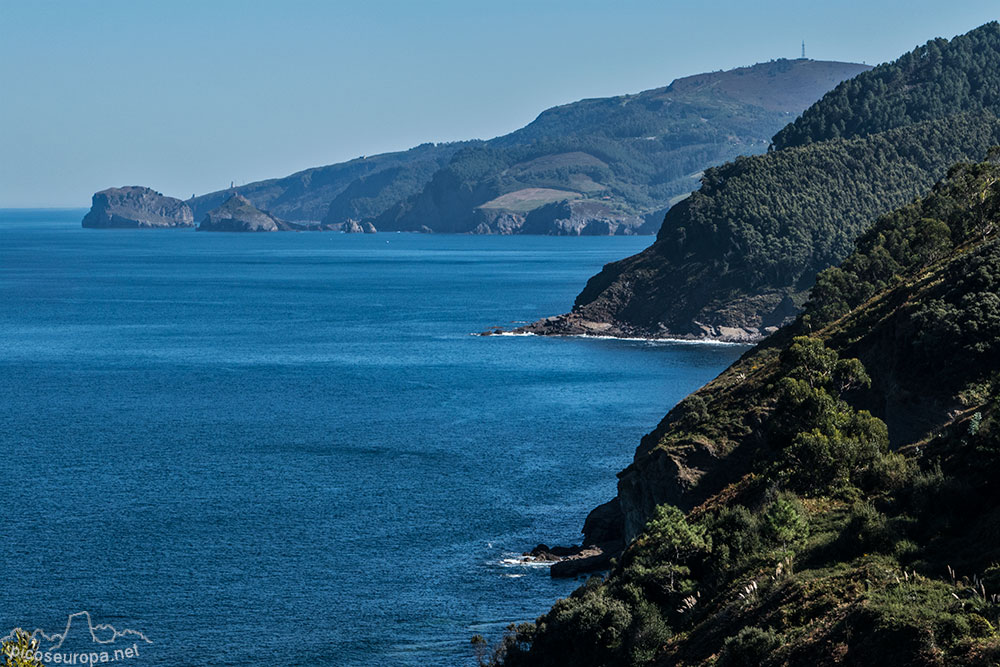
x=136 y=207
x=813 y=503
x=735 y=260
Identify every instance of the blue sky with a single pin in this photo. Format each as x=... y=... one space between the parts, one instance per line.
x=187 y=96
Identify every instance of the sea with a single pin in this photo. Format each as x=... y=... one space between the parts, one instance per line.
x=290 y=448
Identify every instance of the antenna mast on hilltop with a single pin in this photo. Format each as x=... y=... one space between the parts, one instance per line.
x=803 y=49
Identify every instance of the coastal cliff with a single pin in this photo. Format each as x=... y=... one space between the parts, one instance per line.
x=829 y=498
x=136 y=207
x=736 y=259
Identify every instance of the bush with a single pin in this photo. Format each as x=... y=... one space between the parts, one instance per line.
x=785 y=523
x=868 y=531
x=735 y=536
x=752 y=647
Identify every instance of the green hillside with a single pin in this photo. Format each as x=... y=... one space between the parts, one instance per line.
x=627 y=158
x=633 y=153
x=736 y=258
x=830 y=498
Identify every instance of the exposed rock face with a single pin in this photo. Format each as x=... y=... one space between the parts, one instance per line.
x=354 y=227
x=136 y=207
x=584 y=218
x=237 y=214
x=603 y=541
x=351 y=227
x=497 y=221
x=592 y=558
x=564 y=218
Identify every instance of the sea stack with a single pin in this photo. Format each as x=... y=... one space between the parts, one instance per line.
x=355 y=227
x=237 y=214
x=136 y=207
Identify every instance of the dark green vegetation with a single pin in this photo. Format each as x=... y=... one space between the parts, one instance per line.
x=933 y=81
x=620 y=158
x=831 y=497
x=737 y=257
x=634 y=154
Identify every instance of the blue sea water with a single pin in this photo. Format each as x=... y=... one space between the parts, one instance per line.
x=287 y=448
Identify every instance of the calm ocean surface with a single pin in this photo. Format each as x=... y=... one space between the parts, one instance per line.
x=287 y=448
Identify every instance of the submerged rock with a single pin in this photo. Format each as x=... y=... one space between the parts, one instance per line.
x=136 y=207
x=237 y=214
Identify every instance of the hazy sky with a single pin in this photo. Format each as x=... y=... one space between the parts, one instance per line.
x=187 y=96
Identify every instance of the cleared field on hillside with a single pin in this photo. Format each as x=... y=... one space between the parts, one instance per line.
x=528 y=199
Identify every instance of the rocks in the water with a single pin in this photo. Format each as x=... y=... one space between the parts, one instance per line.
x=595 y=554
x=592 y=558
x=351 y=227
x=237 y=214
x=355 y=227
x=546 y=553
x=136 y=207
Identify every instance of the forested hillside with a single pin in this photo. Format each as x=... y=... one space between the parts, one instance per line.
x=830 y=498
x=608 y=165
x=939 y=78
x=635 y=154
x=735 y=259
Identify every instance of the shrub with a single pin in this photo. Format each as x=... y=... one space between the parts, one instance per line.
x=868 y=530
x=785 y=523
x=751 y=647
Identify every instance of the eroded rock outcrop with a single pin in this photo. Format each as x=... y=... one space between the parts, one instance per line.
x=237 y=214
x=355 y=227
x=136 y=207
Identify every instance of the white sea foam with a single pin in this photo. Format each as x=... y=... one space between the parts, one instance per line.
x=633 y=339
x=517 y=560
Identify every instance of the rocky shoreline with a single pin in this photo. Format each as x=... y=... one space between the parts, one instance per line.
x=570 y=562
x=603 y=541
x=575 y=324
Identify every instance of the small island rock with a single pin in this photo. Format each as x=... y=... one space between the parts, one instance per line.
x=237 y=214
